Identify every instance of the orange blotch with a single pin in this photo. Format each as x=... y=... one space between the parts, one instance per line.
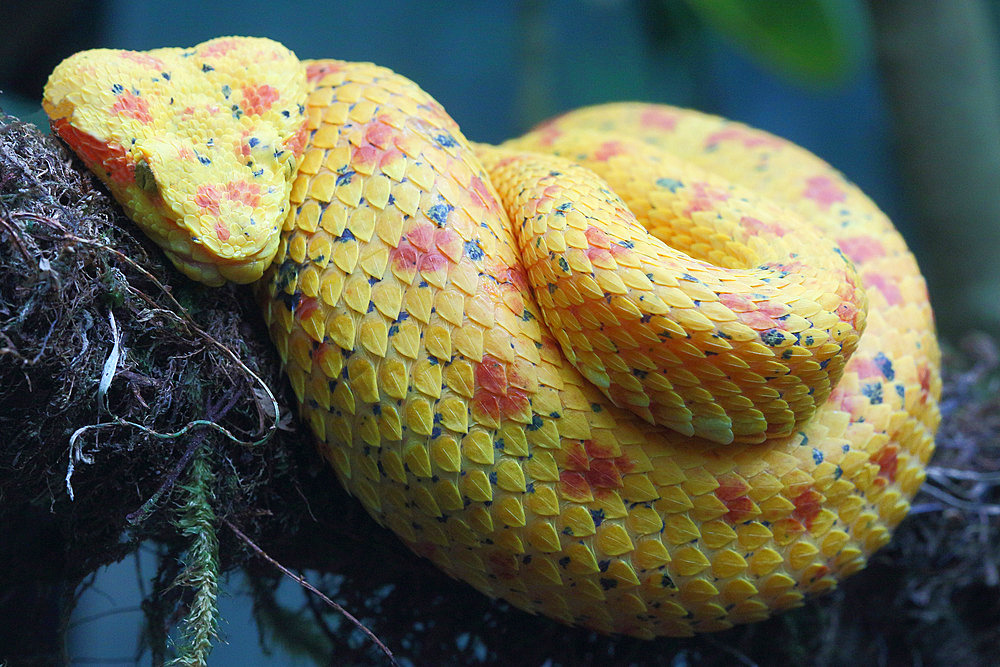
x=516 y=377
x=573 y=486
x=847 y=312
x=598 y=451
x=431 y=263
x=421 y=236
x=757 y=320
x=483 y=194
x=887 y=460
x=507 y=278
x=608 y=150
x=259 y=99
x=486 y=406
x=887 y=286
x=597 y=237
x=749 y=138
x=807 y=506
x=316 y=71
x=624 y=464
x=819 y=573
x=219 y=48
x=297 y=143
x=111 y=158
x=143 y=59
x=573 y=456
x=704 y=197
x=241 y=191
x=389 y=157
x=600 y=257
x=773 y=309
x=786 y=529
x=207 y=198
x=603 y=474
x=495 y=396
x=548 y=133
x=737 y=303
x=305 y=307
x=221 y=231
x=860 y=249
x=515 y=277
x=732 y=492
x=130 y=105
x=449 y=244
x=491 y=375
x=755 y=226
x=865 y=368
x=502 y=565
x=924 y=376
x=379 y=134
x=658 y=119
x=823 y=191
x=404 y=258
x=619 y=250
x=364 y=156
x=515 y=403
x=492 y=290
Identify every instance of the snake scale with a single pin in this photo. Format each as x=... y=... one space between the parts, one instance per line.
x=641 y=370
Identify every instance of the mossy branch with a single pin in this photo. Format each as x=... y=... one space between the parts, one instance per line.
x=197 y=521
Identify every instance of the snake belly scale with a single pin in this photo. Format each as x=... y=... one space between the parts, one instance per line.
x=641 y=370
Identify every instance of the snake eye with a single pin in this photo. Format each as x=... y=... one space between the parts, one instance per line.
x=144 y=177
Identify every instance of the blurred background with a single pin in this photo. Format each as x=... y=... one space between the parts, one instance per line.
x=903 y=96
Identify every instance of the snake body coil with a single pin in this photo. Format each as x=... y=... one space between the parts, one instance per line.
x=647 y=432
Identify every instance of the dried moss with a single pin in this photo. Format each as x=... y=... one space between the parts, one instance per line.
x=77 y=283
x=931 y=596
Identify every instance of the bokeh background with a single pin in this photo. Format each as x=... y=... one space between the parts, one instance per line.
x=903 y=96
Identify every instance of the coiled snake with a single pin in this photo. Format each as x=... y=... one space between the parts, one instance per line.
x=645 y=432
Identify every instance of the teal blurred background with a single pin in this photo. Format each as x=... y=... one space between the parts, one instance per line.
x=900 y=95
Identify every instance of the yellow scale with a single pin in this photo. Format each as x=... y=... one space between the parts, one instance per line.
x=675 y=375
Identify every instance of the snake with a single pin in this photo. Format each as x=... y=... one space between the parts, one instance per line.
x=642 y=370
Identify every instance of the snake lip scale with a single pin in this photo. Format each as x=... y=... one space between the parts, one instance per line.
x=642 y=369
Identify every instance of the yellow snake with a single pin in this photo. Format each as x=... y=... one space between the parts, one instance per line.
x=641 y=370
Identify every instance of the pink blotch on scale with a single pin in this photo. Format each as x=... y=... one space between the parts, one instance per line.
x=823 y=191
x=130 y=105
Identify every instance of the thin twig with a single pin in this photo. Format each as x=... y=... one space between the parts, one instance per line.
x=965 y=505
x=309 y=587
x=215 y=411
x=937 y=472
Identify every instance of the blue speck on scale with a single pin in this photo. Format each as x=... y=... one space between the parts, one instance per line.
x=446 y=140
x=669 y=183
x=474 y=252
x=873 y=391
x=885 y=366
x=772 y=337
x=439 y=213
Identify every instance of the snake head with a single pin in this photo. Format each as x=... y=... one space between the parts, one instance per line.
x=199 y=145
